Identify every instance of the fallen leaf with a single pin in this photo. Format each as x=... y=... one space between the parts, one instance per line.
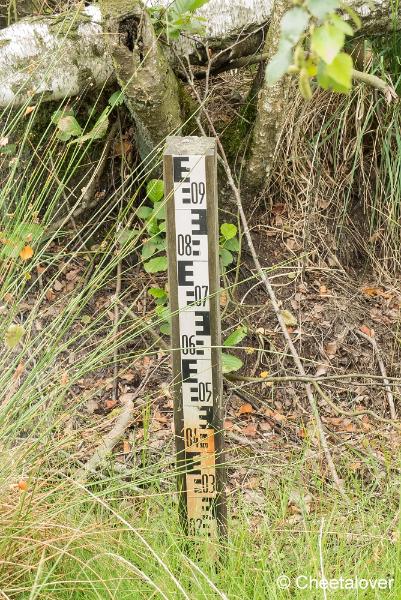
x=19 y=370
x=14 y=335
x=366 y=330
x=126 y=447
x=289 y=319
x=223 y=298
x=22 y=485
x=331 y=349
x=265 y=426
x=26 y=253
x=228 y=425
x=64 y=378
x=121 y=148
x=3 y=141
x=245 y=409
x=29 y=109
x=321 y=370
x=250 y=430
x=264 y=374
x=72 y=275
x=50 y=295
x=111 y=404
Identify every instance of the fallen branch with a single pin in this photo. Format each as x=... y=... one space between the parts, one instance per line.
x=253 y=59
x=376 y=350
x=107 y=444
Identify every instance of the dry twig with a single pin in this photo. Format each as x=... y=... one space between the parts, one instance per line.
x=376 y=350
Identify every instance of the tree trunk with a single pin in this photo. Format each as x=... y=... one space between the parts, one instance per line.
x=143 y=72
x=270 y=114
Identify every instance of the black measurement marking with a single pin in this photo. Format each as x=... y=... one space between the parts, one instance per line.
x=192 y=463
x=185 y=273
x=180 y=170
x=189 y=368
x=199 y=221
x=205 y=417
x=202 y=322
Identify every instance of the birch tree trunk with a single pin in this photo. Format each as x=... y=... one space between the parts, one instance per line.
x=50 y=58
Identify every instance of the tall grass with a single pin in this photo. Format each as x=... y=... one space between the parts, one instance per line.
x=342 y=168
x=116 y=534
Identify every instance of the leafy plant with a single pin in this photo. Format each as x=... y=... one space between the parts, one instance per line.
x=232 y=363
x=179 y=17
x=68 y=126
x=311 y=45
x=15 y=240
x=228 y=243
x=160 y=297
x=154 y=217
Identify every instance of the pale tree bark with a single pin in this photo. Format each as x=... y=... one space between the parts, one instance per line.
x=57 y=55
x=52 y=58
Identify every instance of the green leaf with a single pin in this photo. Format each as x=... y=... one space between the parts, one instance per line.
x=157 y=292
x=126 y=235
x=280 y=63
x=228 y=230
x=156 y=265
x=226 y=257
x=97 y=132
x=321 y=8
x=340 y=70
x=14 y=335
x=152 y=227
x=236 y=336
x=342 y=25
x=148 y=250
x=230 y=363
x=159 y=210
x=15 y=240
x=159 y=241
x=294 y=23
x=58 y=114
x=68 y=126
x=232 y=245
x=163 y=312
x=116 y=99
x=182 y=6
x=155 y=190
x=144 y=212
x=327 y=42
x=162 y=226
x=165 y=328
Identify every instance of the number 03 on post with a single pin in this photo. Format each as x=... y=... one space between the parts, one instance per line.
x=190 y=175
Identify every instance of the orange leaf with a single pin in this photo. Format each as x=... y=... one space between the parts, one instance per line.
x=245 y=409
x=111 y=404
x=26 y=253
x=22 y=485
x=366 y=330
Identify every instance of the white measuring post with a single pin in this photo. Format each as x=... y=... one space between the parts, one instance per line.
x=190 y=175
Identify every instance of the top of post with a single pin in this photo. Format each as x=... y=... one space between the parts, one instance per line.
x=190 y=145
